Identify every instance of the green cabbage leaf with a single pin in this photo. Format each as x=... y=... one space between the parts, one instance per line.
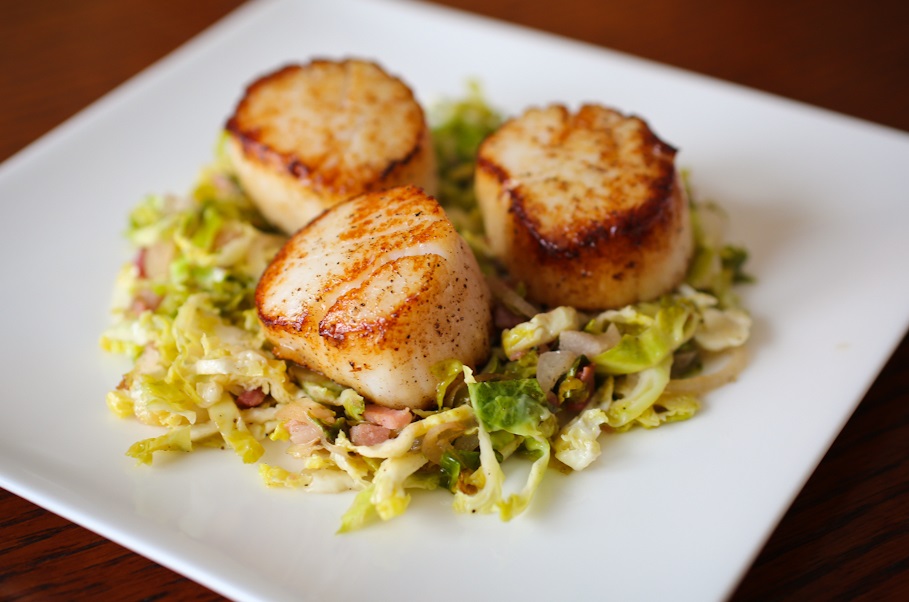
x=516 y=407
x=674 y=324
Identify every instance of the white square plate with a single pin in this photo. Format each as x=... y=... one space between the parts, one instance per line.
x=678 y=513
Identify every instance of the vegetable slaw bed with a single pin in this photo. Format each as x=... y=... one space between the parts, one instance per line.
x=556 y=382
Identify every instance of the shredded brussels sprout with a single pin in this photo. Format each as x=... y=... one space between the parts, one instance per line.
x=205 y=375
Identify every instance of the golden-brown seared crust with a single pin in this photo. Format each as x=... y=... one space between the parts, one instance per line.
x=307 y=137
x=586 y=209
x=373 y=293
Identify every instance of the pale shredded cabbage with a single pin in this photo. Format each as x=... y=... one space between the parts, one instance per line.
x=541 y=329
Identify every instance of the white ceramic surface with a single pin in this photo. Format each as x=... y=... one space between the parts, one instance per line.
x=819 y=200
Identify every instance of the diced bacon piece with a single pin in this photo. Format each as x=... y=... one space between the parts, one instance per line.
x=250 y=398
x=145 y=300
x=139 y=262
x=369 y=434
x=586 y=376
x=387 y=417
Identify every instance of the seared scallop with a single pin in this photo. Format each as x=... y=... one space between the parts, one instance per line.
x=586 y=208
x=374 y=293
x=307 y=137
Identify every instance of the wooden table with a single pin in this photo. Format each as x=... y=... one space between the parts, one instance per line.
x=846 y=535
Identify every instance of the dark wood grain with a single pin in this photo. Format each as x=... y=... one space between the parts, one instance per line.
x=846 y=537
